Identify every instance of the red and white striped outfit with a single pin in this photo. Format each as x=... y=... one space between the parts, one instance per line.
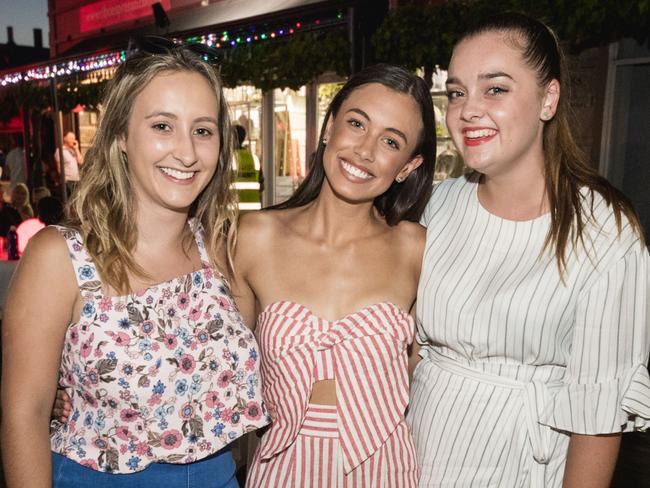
x=363 y=441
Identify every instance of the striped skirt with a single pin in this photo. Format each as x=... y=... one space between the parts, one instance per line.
x=315 y=459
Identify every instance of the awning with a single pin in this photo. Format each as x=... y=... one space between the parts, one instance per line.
x=108 y=50
x=237 y=11
x=221 y=13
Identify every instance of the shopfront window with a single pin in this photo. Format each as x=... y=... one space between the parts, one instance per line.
x=289 y=153
x=245 y=104
x=87 y=121
x=297 y=115
x=449 y=163
x=326 y=93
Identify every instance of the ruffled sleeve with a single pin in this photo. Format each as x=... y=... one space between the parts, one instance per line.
x=607 y=387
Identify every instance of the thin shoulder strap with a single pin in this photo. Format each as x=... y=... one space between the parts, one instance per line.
x=84 y=269
x=199 y=237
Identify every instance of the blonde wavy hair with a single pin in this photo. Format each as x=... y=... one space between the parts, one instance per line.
x=102 y=207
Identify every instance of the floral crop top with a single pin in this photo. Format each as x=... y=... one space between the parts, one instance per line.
x=169 y=374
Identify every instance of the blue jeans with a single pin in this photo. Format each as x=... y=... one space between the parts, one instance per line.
x=216 y=471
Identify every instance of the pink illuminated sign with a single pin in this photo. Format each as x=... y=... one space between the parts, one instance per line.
x=105 y=13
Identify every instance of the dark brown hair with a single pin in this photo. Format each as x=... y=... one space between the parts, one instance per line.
x=567 y=169
x=402 y=201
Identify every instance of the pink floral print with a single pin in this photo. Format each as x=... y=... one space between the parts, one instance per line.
x=166 y=374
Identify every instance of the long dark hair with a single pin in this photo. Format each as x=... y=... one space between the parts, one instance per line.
x=402 y=201
x=567 y=169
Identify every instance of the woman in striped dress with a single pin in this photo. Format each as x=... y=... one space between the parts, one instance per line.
x=331 y=295
x=533 y=298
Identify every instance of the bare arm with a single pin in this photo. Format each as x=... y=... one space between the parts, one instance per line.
x=418 y=250
x=414 y=349
x=414 y=358
x=620 y=319
x=39 y=307
x=77 y=154
x=245 y=299
x=591 y=460
x=244 y=261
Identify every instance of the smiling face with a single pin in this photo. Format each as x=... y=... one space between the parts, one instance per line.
x=172 y=143
x=496 y=107
x=370 y=142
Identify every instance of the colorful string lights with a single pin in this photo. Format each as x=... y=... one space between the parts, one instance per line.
x=106 y=60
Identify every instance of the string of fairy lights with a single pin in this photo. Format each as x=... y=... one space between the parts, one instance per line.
x=225 y=39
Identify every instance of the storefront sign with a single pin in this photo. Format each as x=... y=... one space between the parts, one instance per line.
x=105 y=13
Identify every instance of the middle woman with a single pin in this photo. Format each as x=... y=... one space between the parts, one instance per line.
x=331 y=293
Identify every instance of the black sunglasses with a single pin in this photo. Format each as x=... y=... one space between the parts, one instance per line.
x=163 y=45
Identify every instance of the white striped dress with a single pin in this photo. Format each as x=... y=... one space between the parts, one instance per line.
x=363 y=441
x=513 y=359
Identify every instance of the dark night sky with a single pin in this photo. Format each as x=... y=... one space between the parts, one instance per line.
x=23 y=15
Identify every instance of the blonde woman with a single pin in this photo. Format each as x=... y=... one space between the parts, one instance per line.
x=134 y=318
x=20 y=201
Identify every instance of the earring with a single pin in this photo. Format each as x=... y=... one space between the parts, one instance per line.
x=324 y=141
x=546 y=115
x=400 y=178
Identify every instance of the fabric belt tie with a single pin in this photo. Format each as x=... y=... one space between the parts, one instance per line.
x=534 y=395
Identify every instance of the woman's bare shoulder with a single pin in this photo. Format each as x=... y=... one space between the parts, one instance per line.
x=411 y=231
x=411 y=238
x=47 y=257
x=257 y=231
x=45 y=261
x=255 y=224
x=47 y=245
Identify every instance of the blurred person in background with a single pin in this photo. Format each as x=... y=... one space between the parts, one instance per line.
x=20 y=201
x=50 y=210
x=15 y=162
x=72 y=160
x=9 y=216
x=38 y=193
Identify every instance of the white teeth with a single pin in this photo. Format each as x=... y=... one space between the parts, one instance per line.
x=475 y=134
x=179 y=175
x=354 y=171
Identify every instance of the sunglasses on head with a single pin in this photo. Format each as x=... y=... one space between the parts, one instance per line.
x=163 y=45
